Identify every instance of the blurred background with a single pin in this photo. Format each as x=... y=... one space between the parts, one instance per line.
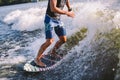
x=10 y=2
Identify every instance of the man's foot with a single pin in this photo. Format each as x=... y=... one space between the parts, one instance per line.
x=39 y=63
x=56 y=55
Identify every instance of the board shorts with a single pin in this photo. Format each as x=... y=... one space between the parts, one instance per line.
x=56 y=24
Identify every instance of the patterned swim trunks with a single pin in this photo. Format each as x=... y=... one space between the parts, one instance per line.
x=55 y=24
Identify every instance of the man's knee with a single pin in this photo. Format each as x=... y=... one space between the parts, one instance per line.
x=63 y=40
x=49 y=41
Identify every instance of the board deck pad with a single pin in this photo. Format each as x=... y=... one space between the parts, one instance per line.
x=50 y=62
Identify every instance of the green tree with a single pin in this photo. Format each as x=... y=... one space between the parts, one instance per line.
x=9 y=2
x=1 y=2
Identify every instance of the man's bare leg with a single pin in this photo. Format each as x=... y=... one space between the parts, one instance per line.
x=41 y=50
x=62 y=40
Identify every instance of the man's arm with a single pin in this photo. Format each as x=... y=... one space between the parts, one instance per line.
x=54 y=8
x=68 y=5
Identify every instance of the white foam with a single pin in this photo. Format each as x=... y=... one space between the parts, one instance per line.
x=4 y=79
x=30 y=19
x=12 y=60
x=116 y=19
x=12 y=50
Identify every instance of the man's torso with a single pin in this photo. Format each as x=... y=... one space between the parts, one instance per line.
x=60 y=4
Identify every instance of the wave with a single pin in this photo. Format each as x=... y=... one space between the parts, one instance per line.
x=93 y=58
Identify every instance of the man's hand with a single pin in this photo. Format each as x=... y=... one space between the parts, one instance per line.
x=70 y=14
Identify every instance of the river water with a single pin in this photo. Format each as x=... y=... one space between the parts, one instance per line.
x=95 y=57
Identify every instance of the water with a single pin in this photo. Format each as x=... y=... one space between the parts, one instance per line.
x=22 y=33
